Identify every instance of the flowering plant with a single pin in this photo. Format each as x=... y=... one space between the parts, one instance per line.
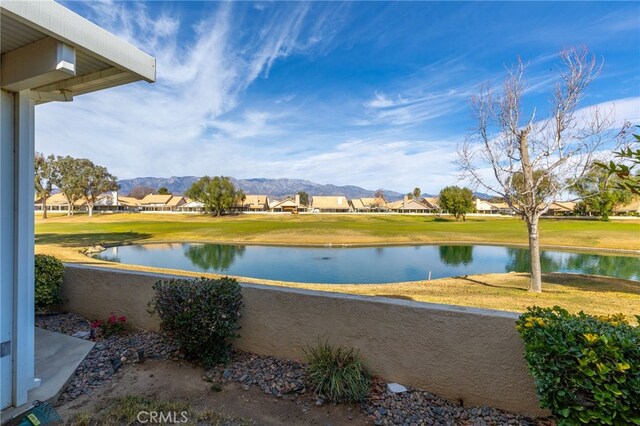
x=112 y=325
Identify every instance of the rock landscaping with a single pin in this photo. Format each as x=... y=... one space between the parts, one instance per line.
x=276 y=377
x=109 y=353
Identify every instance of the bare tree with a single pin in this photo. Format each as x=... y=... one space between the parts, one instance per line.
x=535 y=159
x=140 y=191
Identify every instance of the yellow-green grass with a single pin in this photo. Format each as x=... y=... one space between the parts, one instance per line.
x=81 y=230
x=65 y=237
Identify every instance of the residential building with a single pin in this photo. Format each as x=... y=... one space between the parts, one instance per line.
x=368 y=205
x=161 y=203
x=191 y=206
x=112 y=202
x=253 y=203
x=288 y=205
x=330 y=204
x=47 y=53
x=409 y=205
x=431 y=202
x=630 y=208
x=486 y=207
x=561 y=208
x=58 y=202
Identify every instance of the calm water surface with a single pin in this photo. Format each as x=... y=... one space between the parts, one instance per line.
x=337 y=265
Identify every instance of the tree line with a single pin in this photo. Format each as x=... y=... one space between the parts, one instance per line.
x=76 y=178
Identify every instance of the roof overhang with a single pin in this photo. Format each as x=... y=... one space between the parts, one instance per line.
x=58 y=54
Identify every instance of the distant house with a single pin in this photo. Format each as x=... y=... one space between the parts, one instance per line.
x=112 y=202
x=368 y=204
x=161 y=203
x=486 y=207
x=330 y=204
x=58 y=202
x=561 y=208
x=192 y=206
x=288 y=205
x=431 y=202
x=253 y=203
x=631 y=208
x=409 y=205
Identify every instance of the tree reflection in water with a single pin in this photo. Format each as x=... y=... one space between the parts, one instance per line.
x=216 y=257
x=456 y=255
x=585 y=263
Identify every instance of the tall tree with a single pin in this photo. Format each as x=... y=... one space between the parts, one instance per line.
x=96 y=180
x=140 y=191
x=304 y=198
x=599 y=194
x=69 y=180
x=163 y=191
x=46 y=173
x=218 y=194
x=457 y=201
x=560 y=145
x=416 y=193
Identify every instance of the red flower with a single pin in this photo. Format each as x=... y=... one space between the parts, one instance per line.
x=96 y=324
x=122 y=319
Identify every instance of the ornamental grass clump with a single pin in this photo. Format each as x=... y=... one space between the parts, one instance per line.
x=49 y=273
x=201 y=315
x=337 y=373
x=586 y=368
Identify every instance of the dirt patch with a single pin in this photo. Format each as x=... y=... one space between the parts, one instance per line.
x=169 y=381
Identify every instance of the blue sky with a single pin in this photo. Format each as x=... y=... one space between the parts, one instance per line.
x=366 y=93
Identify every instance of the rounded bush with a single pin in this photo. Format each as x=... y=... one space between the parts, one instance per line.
x=586 y=368
x=201 y=315
x=49 y=273
x=337 y=373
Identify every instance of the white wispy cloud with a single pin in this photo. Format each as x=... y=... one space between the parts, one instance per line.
x=146 y=129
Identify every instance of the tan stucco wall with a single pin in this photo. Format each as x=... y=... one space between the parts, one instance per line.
x=468 y=354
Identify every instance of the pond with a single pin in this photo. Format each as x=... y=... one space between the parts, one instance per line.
x=358 y=265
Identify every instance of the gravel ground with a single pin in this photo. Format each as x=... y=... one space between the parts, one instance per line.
x=273 y=376
x=109 y=353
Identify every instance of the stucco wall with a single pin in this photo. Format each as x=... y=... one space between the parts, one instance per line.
x=473 y=355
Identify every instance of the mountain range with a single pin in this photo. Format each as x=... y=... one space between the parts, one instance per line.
x=278 y=188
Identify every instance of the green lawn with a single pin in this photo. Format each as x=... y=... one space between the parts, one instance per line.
x=323 y=229
x=64 y=237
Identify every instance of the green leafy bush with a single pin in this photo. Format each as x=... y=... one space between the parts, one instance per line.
x=586 y=368
x=200 y=314
x=337 y=373
x=49 y=273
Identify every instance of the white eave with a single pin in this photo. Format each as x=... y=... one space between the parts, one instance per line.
x=83 y=57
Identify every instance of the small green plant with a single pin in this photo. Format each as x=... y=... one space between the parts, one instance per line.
x=201 y=315
x=49 y=273
x=113 y=325
x=586 y=368
x=337 y=373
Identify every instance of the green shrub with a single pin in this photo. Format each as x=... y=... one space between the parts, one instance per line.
x=337 y=373
x=200 y=314
x=586 y=368
x=49 y=273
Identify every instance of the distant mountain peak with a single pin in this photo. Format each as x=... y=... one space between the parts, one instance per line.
x=276 y=188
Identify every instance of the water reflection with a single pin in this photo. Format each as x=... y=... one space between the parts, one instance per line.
x=365 y=264
x=216 y=257
x=584 y=263
x=456 y=255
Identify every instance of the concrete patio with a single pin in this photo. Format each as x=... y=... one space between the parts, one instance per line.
x=57 y=357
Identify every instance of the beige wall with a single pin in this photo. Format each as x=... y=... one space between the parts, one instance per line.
x=468 y=354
